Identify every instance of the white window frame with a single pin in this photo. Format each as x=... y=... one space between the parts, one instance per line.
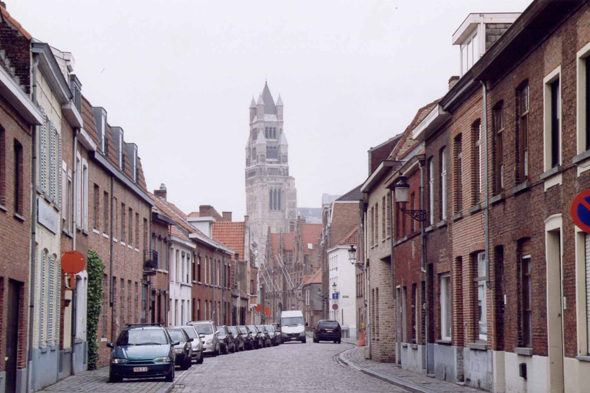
x=582 y=57
x=547 y=109
x=446 y=312
x=104 y=140
x=431 y=189
x=443 y=183
x=482 y=297
x=78 y=191
x=64 y=196
x=84 y=195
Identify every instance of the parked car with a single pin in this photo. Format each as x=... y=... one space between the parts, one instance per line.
x=142 y=351
x=267 y=342
x=278 y=332
x=257 y=339
x=238 y=338
x=274 y=339
x=208 y=333
x=226 y=340
x=327 y=330
x=247 y=335
x=183 y=350
x=197 y=343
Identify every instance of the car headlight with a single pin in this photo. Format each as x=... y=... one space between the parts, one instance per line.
x=178 y=350
x=162 y=359
x=119 y=361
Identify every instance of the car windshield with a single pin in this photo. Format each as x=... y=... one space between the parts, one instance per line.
x=142 y=337
x=176 y=335
x=221 y=331
x=204 y=328
x=233 y=330
x=243 y=329
x=329 y=325
x=269 y=328
x=252 y=328
x=260 y=329
x=292 y=321
x=190 y=331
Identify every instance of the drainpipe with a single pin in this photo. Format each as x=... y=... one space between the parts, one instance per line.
x=33 y=244
x=111 y=293
x=368 y=325
x=74 y=293
x=424 y=266
x=486 y=212
x=393 y=286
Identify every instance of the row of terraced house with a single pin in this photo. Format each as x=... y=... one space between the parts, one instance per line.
x=476 y=272
x=69 y=181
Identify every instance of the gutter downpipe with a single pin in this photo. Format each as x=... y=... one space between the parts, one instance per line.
x=486 y=193
x=74 y=293
x=424 y=267
x=393 y=286
x=368 y=325
x=33 y=244
x=111 y=280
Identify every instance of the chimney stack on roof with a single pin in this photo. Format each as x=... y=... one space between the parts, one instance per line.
x=453 y=81
x=162 y=192
x=226 y=216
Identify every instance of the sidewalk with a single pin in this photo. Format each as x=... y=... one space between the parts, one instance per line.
x=389 y=372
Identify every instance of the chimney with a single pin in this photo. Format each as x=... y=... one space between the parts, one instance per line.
x=453 y=81
x=162 y=192
x=2 y=4
x=226 y=216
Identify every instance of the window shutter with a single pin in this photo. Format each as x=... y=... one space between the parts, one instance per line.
x=57 y=272
x=50 y=303
x=51 y=160
x=59 y=172
x=43 y=154
x=42 y=300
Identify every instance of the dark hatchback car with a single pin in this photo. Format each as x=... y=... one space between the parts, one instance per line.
x=238 y=338
x=226 y=340
x=257 y=338
x=274 y=339
x=247 y=336
x=183 y=350
x=142 y=351
x=327 y=330
x=266 y=339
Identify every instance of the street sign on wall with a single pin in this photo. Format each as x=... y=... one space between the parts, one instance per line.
x=334 y=307
x=267 y=311
x=580 y=210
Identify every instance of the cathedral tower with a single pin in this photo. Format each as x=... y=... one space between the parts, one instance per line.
x=271 y=197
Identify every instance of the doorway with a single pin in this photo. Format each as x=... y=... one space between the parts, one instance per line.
x=14 y=305
x=555 y=306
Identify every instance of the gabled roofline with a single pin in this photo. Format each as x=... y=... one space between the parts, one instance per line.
x=435 y=118
x=50 y=69
x=385 y=166
x=211 y=243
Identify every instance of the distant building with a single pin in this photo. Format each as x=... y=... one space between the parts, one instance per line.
x=311 y=215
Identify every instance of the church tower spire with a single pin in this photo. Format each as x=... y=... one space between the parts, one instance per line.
x=271 y=196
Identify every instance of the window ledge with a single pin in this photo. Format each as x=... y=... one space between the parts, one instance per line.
x=444 y=342
x=524 y=186
x=581 y=157
x=583 y=358
x=523 y=351
x=477 y=346
x=66 y=233
x=457 y=216
x=44 y=349
x=474 y=209
x=414 y=346
x=19 y=217
x=405 y=345
x=441 y=224
x=130 y=246
x=84 y=232
x=2 y=208
x=497 y=198
x=137 y=249
x=123 y=244
x=96 y=231
x=115 y=240
x=429 y=228
x=551 y=172
x=105 y=235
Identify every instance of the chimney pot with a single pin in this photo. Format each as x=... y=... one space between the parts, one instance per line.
x=453 y=81
x=162 y=192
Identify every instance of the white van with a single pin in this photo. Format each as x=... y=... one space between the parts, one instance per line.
x=292 y=326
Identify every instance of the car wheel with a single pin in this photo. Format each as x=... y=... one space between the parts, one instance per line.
x=315 y=340
x=200 y=359
x=304 y=341
x=170 y=376
x=233 y=350
x=114 y=378
x=187 y=363
x=226 y=349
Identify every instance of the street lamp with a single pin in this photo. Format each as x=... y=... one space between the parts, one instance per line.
x=402 y=190
x=352 y=258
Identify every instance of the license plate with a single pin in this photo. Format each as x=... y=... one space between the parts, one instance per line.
x=329 y=330
x=139 y=369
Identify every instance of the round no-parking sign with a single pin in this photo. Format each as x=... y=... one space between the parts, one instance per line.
x=580 y=210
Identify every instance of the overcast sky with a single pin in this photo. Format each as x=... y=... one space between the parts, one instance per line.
x=178 y=76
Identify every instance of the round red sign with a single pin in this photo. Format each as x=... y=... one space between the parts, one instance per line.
x=334 y=306
x=73 y=262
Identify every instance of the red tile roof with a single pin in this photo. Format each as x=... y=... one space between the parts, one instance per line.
x=15 y=23
x=310 y=234
x=315 y=278
x=289 y=241
x=231 y=234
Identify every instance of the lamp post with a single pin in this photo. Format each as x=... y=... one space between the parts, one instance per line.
x=352 y=258
x=402 y=190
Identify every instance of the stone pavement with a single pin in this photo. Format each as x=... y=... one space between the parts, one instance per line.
x=97 y=381
x=389 y=372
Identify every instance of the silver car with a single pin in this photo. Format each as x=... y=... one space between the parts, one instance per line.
x=197 y=343
x=208 y=333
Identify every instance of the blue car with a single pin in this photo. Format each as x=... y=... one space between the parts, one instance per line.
x=142 y=351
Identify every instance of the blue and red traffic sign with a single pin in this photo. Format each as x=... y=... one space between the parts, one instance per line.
x=580 y=210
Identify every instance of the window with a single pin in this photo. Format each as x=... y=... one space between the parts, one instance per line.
x=18 y=178
x=136 y=231
x=84 y=195
x=122 y=222
x=275 y=199
x=130 y=233
x=145 y=234
x=431 y=189
x=78 y=185
x=199 y=268
x=413 y=207
x=469 y=53
x=69 y=201
x=389 y=212
x=272 y=152
x=414 y=314
x=583 y=99
x=2 y=167
x=498 y=157
x=552 y=119
x=476 y=174
x=383 y=219
x=526 y=288
x=64 y=196
x=372 y=226
x=115 y=218
x=105 y=204
x=376 y=224
x=445 y=307
x=481 y=306
x=458 y=174
x=522 y=125
x=443 y=184
x=96 y=207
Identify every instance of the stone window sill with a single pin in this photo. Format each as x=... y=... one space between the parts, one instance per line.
x=405 y=345
x=581 y=157
x=66 y=233
x=474 y=209
x=457 y=216
x=551 y=172
x=444 y=342
x=583 y=358
x=477 y=346
x=441 y=224
x=105 y=235
x=552 y=177
x=524 y=186
x=19 y=217
x=414 y=346
x=2 y=208
x=96 y=231
x=429 y=229
x=523 y=351
x=497 y=198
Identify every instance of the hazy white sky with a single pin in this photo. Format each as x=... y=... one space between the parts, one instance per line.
x=178 y=76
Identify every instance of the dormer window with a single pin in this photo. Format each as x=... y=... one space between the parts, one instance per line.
x=470 y=52
x=121 y=159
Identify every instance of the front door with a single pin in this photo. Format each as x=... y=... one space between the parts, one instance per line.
x=555 y=307
x=13 y=303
